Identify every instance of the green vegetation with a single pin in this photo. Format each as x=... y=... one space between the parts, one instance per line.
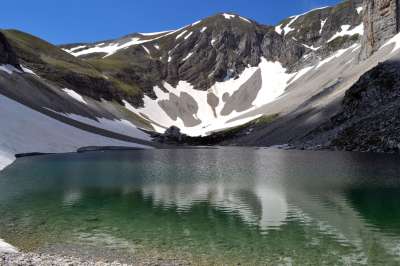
x=127 y=89
x=37 y=52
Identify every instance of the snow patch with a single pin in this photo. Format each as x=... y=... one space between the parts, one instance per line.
x=195 y=23
x=181 y=34
x=323 y=22
x=311 y=47
x=228 y=16
x=155 y=33
x=147 y=50
x=114 y=47
x=23 y=130
x=336 y=55
x=27 y=70
x=157 y=46
x=187 y=57
x=312 y=10
x=203 y=29
x=74 y=95
x=345 y=30
x=188 y=36
x=274 y=82
x=287 y=28
x=279 y=29
x=244 y=19
x=121 y=126
x=359 y=9
x=9 y=69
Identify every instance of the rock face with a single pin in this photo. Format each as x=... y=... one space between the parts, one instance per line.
x=381 y=21
x=370 y=116
x=221 y=47
x=7 y=54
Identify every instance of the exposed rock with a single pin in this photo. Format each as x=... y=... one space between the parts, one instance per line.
x=370 y=116
x=7 y=54
x=381 y=22
x=172 y=135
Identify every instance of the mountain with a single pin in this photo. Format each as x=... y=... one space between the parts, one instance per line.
x=226 y=78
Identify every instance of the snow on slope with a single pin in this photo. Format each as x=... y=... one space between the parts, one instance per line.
x=345 y=31
x=122 y=126
x=23 y=130
x=75 y=95
x=274 y=82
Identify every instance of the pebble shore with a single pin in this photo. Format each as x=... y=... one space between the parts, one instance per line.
x=33 y=259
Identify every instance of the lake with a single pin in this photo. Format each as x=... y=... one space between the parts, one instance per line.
x=207 y=206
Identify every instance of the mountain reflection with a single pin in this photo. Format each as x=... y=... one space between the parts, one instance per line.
x=203 y=196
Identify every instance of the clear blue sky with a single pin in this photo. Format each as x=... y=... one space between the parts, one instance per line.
x=66 y=21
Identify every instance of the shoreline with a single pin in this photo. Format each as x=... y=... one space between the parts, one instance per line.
x=44 y=259
x=28 y=259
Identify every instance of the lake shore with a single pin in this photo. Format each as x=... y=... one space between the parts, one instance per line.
x=33 y=259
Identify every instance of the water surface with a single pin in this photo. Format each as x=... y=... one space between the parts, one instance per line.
x=207 y=206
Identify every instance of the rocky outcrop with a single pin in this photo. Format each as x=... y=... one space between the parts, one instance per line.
x=370 y=116
x=7 y=54
x=381 y=21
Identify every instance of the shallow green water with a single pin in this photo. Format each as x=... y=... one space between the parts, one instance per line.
x=207 y=206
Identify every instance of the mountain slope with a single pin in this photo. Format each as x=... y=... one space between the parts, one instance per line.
x=223 y=74
x=210 y=75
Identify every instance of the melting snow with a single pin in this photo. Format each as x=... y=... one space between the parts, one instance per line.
x=203 y=29
x=245 y=19
x=311 y=47
x=359 y=9
x=345 y=30
x=323 y=22
x=121 y=126
x=75 y=95
x=287 y=28
x=181 y=34
x=157 y=46
x=279 y=29
x=27 y=70
x=112 y=48
x=187 y=36
x=197 y=22
x=147 y=50
x=155 y=33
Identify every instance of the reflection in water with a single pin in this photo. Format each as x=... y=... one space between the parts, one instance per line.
x=220 y=205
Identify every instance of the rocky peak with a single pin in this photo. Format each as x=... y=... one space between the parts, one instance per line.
x=221 y=47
